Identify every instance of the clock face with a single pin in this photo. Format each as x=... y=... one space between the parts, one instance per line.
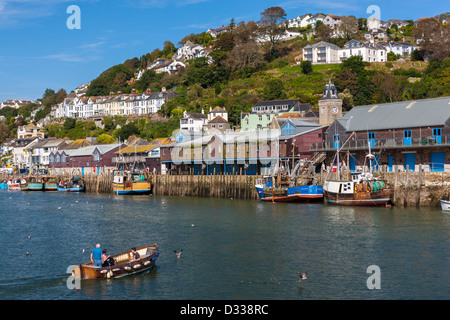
x=334 y=110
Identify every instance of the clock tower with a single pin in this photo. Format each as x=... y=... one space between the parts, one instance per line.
x=330 y=105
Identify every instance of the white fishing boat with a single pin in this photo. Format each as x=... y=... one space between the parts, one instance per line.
x=445 y=205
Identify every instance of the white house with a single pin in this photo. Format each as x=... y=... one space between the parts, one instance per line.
x=191 y=51
x=368 y=51
x=313 y=20
x=332 y=21
x=401 y=48
x=376 y=34
x=193 y=121
x=40 y=152
x=321 y=53
x=217 y=111
x=299 y=22
x=217 y=32
x=21 y=154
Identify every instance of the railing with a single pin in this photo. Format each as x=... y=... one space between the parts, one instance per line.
x=354 y=144
x=128 y=159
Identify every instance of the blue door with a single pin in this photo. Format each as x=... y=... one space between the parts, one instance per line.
x=352 y=164
x=336 y=141
x=390 y=163
x=437 y=135
x=410 y=160
x=82 y=171
x=407 y=137
x=437 y=161
x=371 y=138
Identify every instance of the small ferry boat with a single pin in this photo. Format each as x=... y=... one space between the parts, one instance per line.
x=35 y=184
x=123 y=266
x=445 y=205
x=131 y=183
x=275 y=189
x=76 y=184
x=3 y=185
x=50 y=184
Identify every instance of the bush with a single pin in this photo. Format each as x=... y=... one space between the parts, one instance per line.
x=306 y=67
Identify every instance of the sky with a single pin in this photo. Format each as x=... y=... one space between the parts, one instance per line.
x=39 y=51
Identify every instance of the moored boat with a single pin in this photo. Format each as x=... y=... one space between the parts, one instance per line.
x=3 y=185
x=361 y=190
x=76 y=184
x=445 y=205
x=35 y=184
x=123 y=266
x=273 y=191
x=131 y=184
x=14 y=184
x=24 y=184
x=50 y=184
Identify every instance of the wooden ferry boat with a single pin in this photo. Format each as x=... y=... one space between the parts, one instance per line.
x=362 y=190
x=131 y=184
x=122 y=267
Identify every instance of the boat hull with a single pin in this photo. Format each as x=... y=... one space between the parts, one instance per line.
x=51 y=187
x=370 y=193
x=35 y=186
x=137 y=188
x=14 y=187
x=445 y=205
x=294 y=194
x=122 y=268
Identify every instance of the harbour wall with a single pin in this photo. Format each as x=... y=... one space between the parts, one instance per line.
x=411 y=189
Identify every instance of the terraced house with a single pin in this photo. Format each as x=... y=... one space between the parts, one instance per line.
x=407 y=135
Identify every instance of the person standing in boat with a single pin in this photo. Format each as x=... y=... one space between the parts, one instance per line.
x=96 y=256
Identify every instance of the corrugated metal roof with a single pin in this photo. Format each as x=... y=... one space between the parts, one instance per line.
x=87 y=151
x=397 y=115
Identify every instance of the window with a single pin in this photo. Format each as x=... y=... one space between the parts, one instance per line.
x=97 y=156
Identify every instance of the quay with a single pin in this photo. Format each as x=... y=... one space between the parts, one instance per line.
x=410 y=189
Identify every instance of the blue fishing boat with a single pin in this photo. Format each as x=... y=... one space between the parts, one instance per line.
x=3 y=185
x=279 y=189
x=76 y=184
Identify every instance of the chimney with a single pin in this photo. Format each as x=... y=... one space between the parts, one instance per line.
x=148 y=91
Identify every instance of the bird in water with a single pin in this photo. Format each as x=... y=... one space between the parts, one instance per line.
x=178 y=253
x=302 y=276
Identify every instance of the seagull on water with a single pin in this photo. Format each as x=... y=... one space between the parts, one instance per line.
x=302 y=276
x=178 y=253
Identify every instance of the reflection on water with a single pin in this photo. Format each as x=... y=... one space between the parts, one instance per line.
x=232 y=249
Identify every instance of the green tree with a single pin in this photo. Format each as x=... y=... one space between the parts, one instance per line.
x=306 y=66
x=70 y=123
x=128 y=130
x=105 y=139
x=274 y=90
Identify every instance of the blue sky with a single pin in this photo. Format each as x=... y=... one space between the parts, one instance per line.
x=38 y=51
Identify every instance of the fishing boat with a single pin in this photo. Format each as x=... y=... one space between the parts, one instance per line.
x=128 y=183
x=24 y=184
x=35 y=184
x=445 y=205
x=50 y=184
x=123 y=266
x=14 y=184
x=3 y=185
x=76 y=184
x=362 y=189
x=279 y=189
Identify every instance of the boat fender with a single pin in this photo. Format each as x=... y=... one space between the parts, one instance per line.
x=127 y=268
x=146 y=263
x=137 y=266
x=104 y=271
x=109 y=274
